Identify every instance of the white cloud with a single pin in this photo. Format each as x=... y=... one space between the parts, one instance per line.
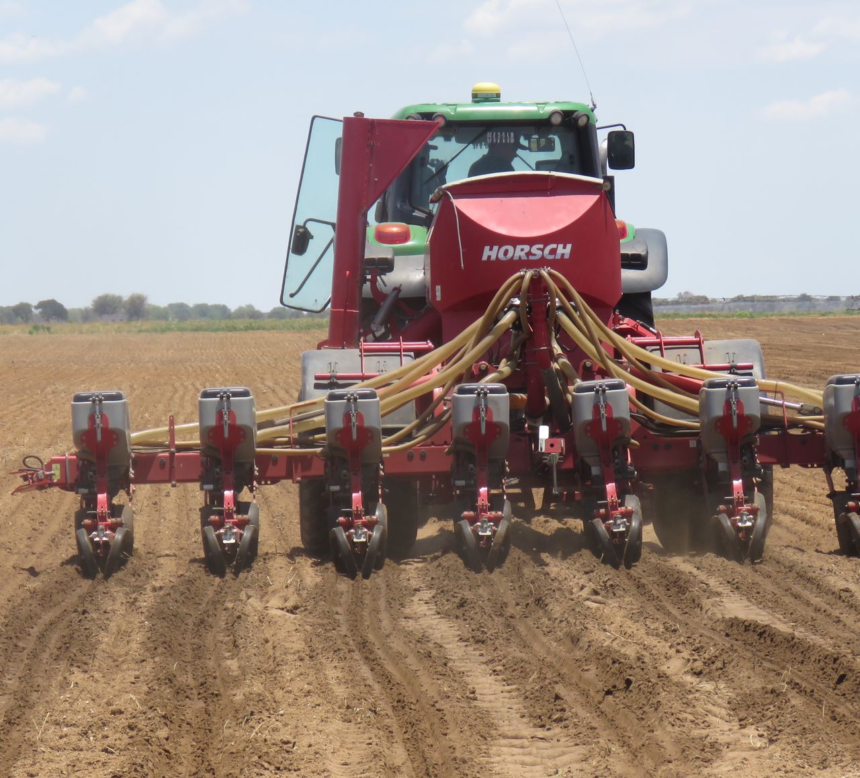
x=77 y=94
x=451 y=51
x=22 y=131
x=138 y=19
x=15 y=93
x=848 y=28
x=815 y=108
x=791 y=50
x=593 y=16
x=9 y=9
x=138 y=16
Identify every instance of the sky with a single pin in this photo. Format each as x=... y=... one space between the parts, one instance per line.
x=155 y=146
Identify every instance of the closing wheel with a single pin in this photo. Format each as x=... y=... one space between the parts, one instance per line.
x=605 y=546
x=341 y=551
x=117 y=551
x=727 y=538
x=633 y=545
x=374 y=557
x=247 y=548
x=854 y=528
x=382 y=518
x=212 y=551
x=468 y=545
x=89 y=565
x=253 y=514
x=127 y=517
x=501 y=544
x=759 y=533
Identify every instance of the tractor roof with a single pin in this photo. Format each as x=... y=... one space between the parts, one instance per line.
x=492 y=111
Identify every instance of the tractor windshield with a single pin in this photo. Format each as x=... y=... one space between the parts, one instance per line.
x=464 y=151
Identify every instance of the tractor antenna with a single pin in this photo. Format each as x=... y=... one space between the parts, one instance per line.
x=585 y=75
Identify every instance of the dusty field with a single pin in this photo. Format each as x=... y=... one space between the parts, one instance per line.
x=553 y=665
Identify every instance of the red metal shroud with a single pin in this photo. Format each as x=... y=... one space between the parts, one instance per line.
x=488 y=228
x=374 y=152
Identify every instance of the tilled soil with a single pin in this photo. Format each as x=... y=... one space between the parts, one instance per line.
x=552 y=665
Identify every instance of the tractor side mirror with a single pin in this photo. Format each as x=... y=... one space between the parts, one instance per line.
x=621 y=150
x=338 y=151
x=301 y=240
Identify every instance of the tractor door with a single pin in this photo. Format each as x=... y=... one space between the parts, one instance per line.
x=310 y=256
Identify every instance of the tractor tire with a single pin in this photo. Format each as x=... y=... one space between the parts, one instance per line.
x=401 y=501
x=313 y=517
x=679 y=514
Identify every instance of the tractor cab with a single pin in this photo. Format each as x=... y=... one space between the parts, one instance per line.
x=484 y=137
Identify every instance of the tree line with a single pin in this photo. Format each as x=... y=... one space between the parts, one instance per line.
x=135 y=307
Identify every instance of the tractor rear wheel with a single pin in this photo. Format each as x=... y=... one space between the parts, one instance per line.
x=313 y=516
x=678 y=512
x=401 y=501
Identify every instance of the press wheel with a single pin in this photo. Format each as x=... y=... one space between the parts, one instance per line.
x=605 y=546
x=633 y=544
x=247 y=548
x=117 y=549
x=759 y=533
x=374 y=557
x=212 y=551
x=468 y=545
x=727 y=538
x=341 y=551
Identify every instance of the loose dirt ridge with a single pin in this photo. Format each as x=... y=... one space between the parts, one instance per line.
x=552 y=665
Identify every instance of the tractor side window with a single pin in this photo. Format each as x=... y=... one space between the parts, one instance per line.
x=310 y=256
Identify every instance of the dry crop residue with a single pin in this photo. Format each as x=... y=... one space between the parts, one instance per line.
x=553 y=665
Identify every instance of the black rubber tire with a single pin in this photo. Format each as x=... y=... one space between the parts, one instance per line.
x=401 y=501
x=843 y=535
x=759 y=533
x=382 y=517
x=117 y=552
x=374 y=557
x=213 y=553
x=501 y=544
x=245 y=552
x=678 y=512
x=633 y=545
x=313 y=516
x=727 y=539
x=86 y=557
x=854 y=528
x=342 y=553
x=127 y=516
x=468 y=546
x=605 y=546
x=766 y=489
